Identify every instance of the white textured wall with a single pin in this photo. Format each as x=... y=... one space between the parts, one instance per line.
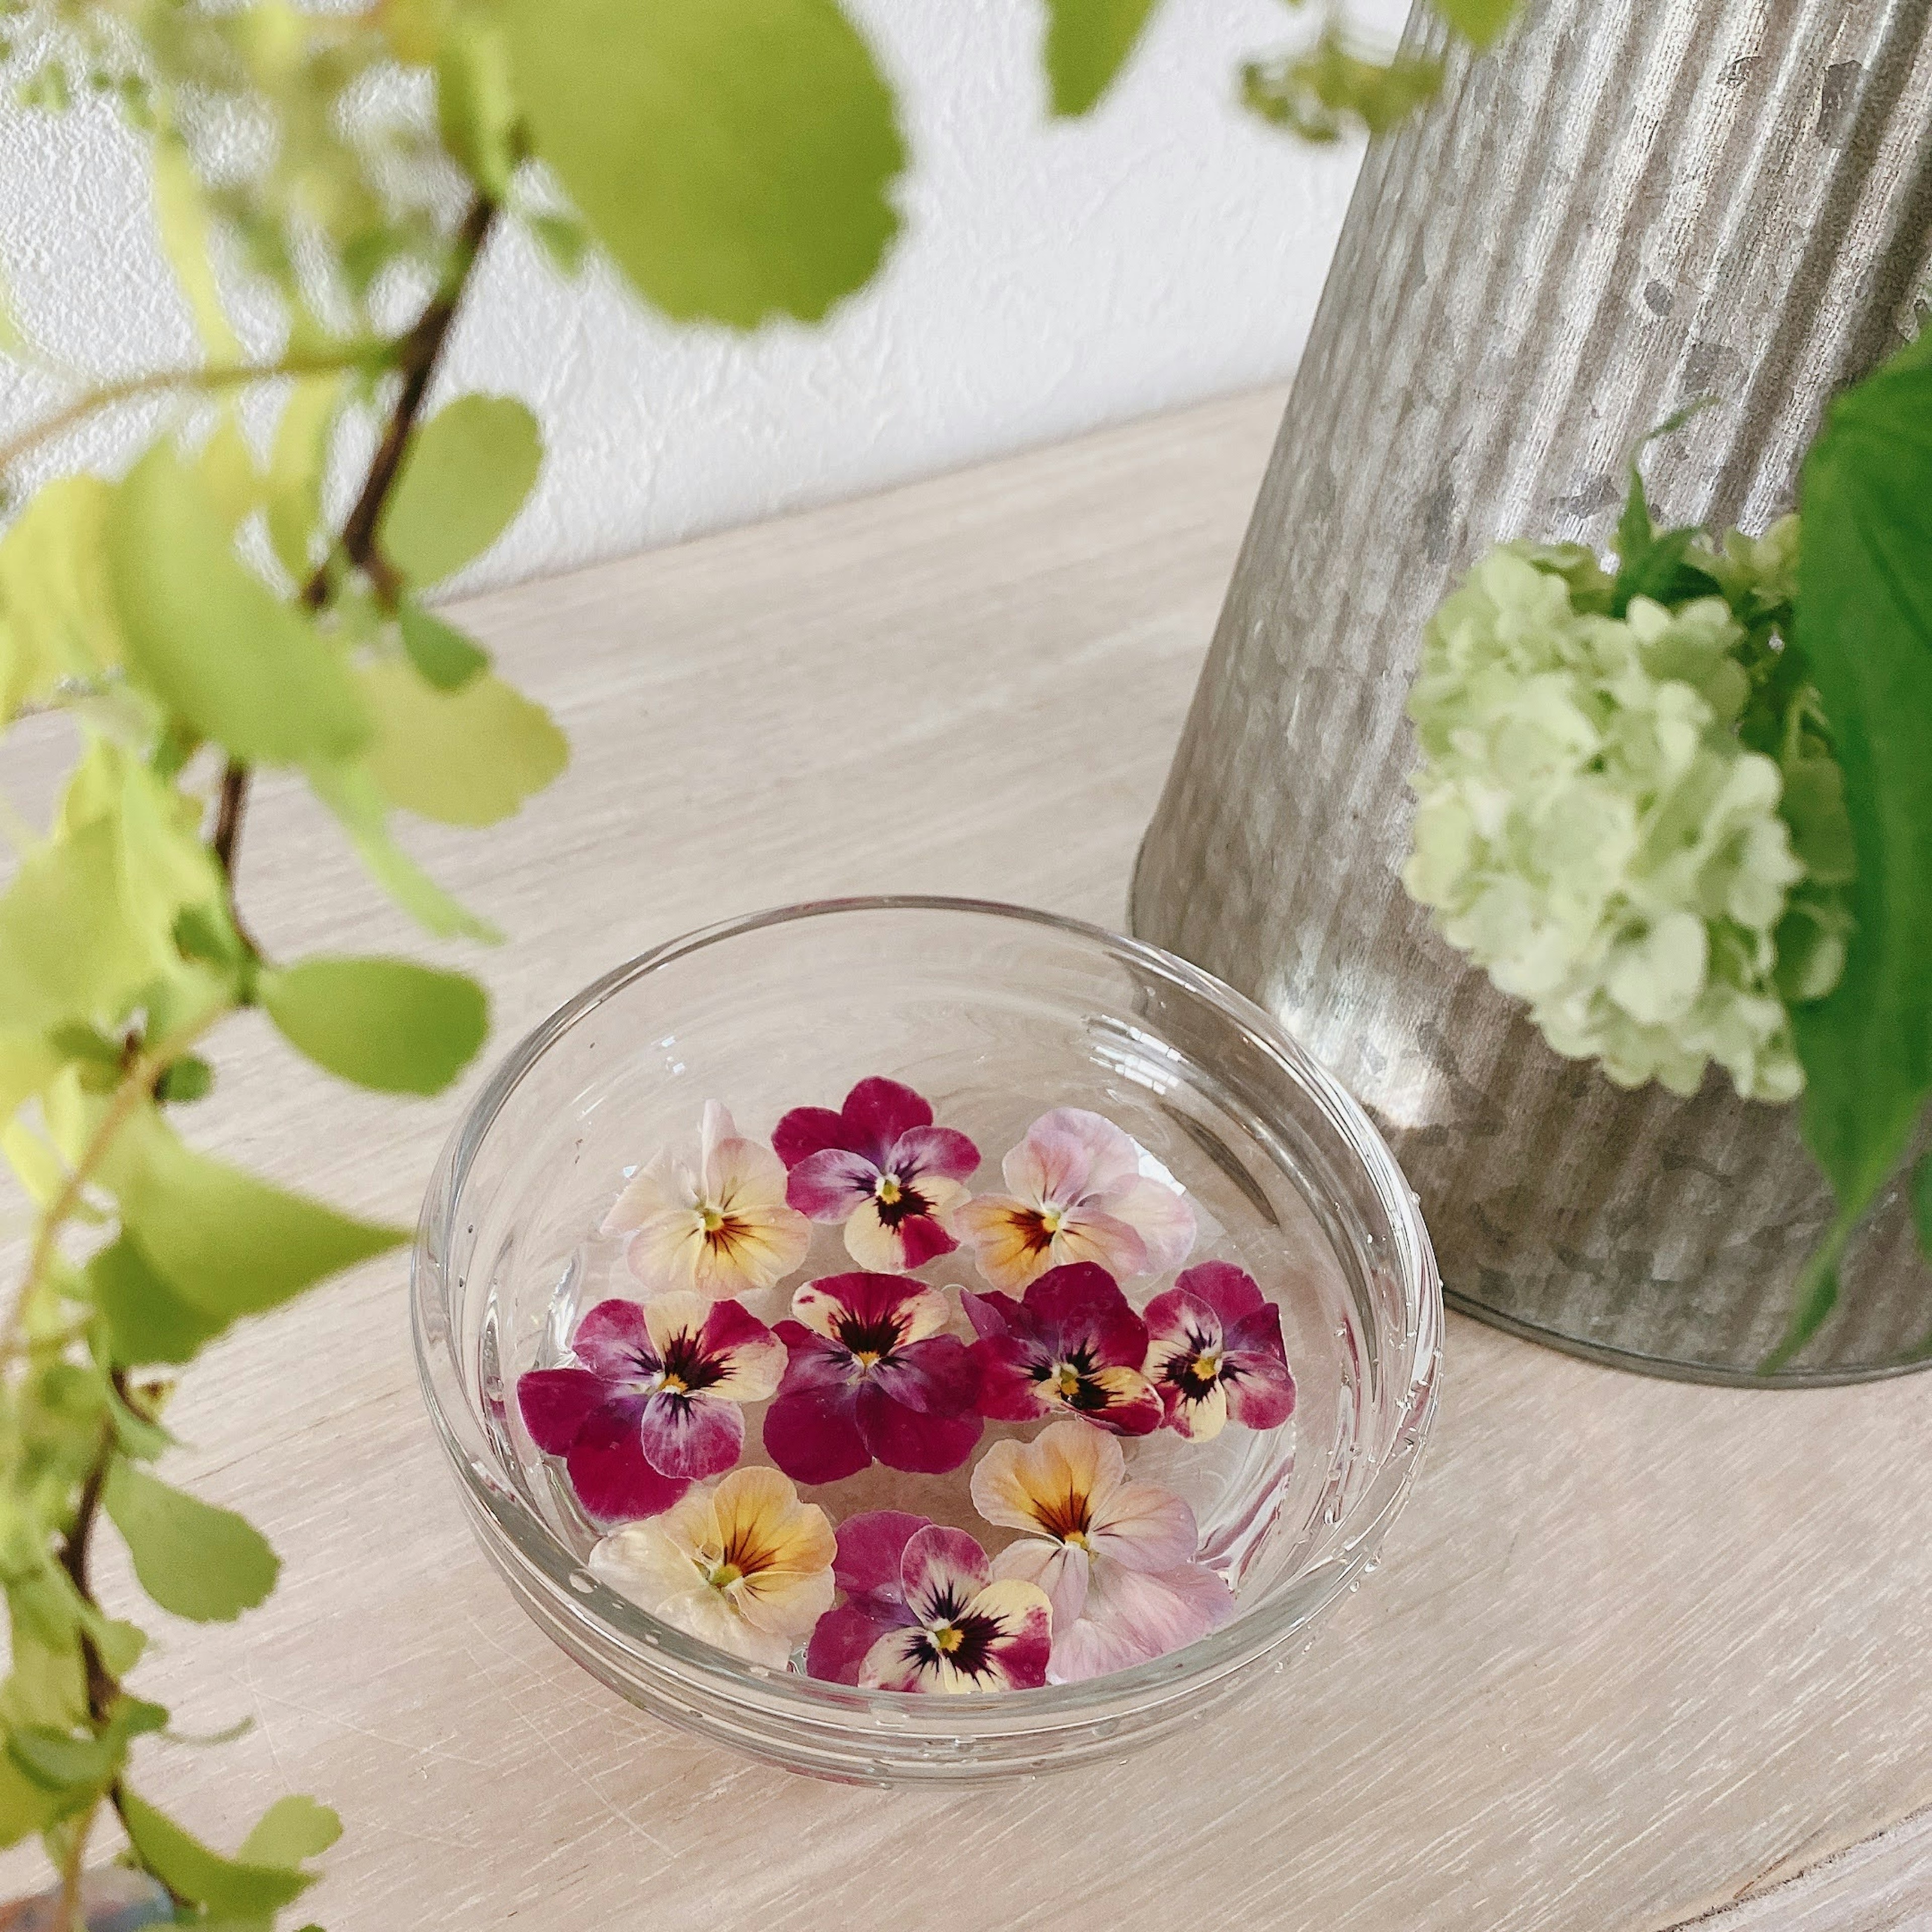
x=1051 y=277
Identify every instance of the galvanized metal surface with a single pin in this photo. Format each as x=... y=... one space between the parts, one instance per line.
x=1632 y=203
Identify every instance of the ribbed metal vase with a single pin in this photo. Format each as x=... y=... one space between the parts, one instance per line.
x=1629 y=204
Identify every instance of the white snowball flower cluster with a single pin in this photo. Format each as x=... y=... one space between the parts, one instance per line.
x=1592 y=831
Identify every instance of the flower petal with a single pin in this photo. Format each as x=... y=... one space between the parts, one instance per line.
x=1143 y=1528
x=935 y=1153
x=608 y=1469
x=991 y=1314
x=1232 y=1292
x=555 y=1404
x=1197 y=1418
x=1052 y=1485
x=1260 y=1390
x=1060 y=1569
x=1080 y=1306
x=1181 y=1323
x=1016 y=1656
x=871 y=1548
x=1086 y=1235
x=1048 y=1168
x=940 y=1569
x=885 y=1240
x=901 y=1660
x=717 y=1129
x=877 y=1111
x=909 y=1439
x=690 y=1436
x=1009 y=1242
x=665 y=1251
x=660 y=1185
x=840 y=1640
x=1009 y=1391
x=806 y=1131
x=646 y=1562
x=829 y=1184
x=749 y=1360
x=751 y=1252
x=1127 y=1403
x=671 y=1324
x=937 y=1376
x=1163 y=1219
x=1110 y=1155
x=614 y=1339
x=1130 y=1618
x=812 y=1433
x=874 y=1311
x=783 y=1547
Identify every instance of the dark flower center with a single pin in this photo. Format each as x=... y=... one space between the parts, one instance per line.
x=870 y=1341
x=1195 y=1372
x=1069 y=1518
x=899 y=1200
x=964 y=1638
x=686 y=1368
x=1070 y=1380
x=1037 y=1229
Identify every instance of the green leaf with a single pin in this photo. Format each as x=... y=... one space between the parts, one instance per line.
x=291 y=1829
x=387 y=1024
x=56 y=619
x=227 y=467
x=1088 y=43
x=186 y=232
x=465 y=757
x=1865 y=621
x=734 y=156
x=1921 y=1204
x=467 y=473
x=443 y=655
x=188 y=1868
x=351 y=793
x=60 y=1761
x=189 y=1078
x=226 y=1242
x=209 y=638
x=147 y=1320
x=1479 y=22
x=193 y=1559
x=67 y=948
x=564 y=241
x=297 y=461
x=476 y=108
x=26 y=1806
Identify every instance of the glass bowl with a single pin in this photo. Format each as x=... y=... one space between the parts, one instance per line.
x=996 y=1014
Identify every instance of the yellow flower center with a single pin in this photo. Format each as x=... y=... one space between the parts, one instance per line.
x=1065 y=1381
x=1050 y=1220
x=949 y=1637
x=675 y=1385
x=724 y=1576
x=889 y=1190
x=866 y=1358
x=711 y=1218
x=1205 y=1367
x=1076 y=1539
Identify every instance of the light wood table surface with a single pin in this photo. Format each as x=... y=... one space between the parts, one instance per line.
x=1636 y=1650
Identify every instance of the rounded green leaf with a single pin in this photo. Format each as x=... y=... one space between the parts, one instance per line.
x=208 y=638
x=465 y=474
x=193 y=1559
x=386 y=1023
x=291 y=1829
x=228 y=1888
x=734 y=156
x=444 y=655
x=147 y=1320
x=1088 y=43
x=463 y=757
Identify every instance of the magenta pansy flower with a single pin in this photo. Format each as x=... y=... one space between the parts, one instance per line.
x=880 y=1165
x=1075 y=1192
x=656 y=1404
x=1216 y=1354
x=924 y=1613
x=1115 y=1558
x=1070 y=1343
x=872 y=1373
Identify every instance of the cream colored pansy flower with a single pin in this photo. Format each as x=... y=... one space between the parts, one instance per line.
x=742 y=1563
x=719 y=1227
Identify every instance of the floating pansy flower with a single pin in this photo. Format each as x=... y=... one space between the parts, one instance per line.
x=1070 y=1342
x=1215 y=1353
x=1075 y=1193
x=655 y=1404
x=742 y=1564
x=924 y=1613
x=880 y=1165
x=873 y=1373
x=1114 y=1557
x=722 y=1227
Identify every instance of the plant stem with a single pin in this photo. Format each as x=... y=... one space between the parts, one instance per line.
x=72 y=1916
x=220 y=376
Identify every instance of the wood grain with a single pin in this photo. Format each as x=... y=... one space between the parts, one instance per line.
x=1636 y=1648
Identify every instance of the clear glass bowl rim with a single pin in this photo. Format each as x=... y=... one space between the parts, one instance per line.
x=1251 y=1635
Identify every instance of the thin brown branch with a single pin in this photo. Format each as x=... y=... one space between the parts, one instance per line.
x=207 y=377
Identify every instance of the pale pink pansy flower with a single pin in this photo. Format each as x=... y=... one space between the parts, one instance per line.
x=1075 y=1192
x=742 y=1564
x=923 y=1613
x=1115 y=1558
x=1216 y=1354
x=720 y=1227
x=656 y=1403
x=880 y=1166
